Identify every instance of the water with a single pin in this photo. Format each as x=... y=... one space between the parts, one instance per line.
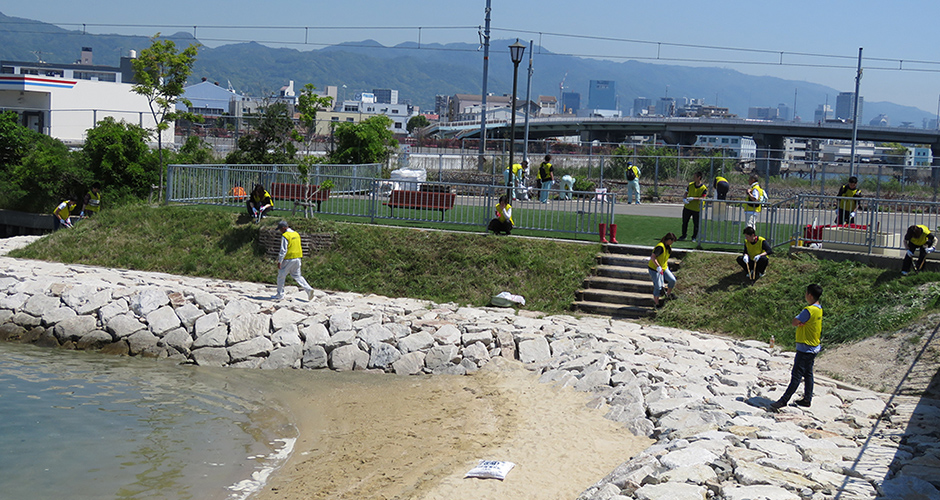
x=82 y=425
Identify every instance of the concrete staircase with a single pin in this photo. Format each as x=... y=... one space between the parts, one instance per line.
x=620 y=284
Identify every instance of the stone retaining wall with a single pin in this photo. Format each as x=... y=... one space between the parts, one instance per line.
x=270 y=241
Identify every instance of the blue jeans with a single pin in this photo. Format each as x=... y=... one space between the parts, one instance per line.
x=802 y=370
x=633 y=192
x=546 y=190
x=658 y=281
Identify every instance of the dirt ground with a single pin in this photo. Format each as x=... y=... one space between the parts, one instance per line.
x=906 y=362
x=388 y=437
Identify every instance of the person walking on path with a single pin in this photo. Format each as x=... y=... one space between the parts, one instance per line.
x=756 y=249
x=92 y=202
x=663 y=279
x=632 y=175
x=547 y=178
x=61 y=214
x=917 y=238
x=722 y=186
x=503 y=222
x=259 y=202
x=694 y=193
x=845 y=213
x=808 y=335
x=288 y=261
x=755 y=197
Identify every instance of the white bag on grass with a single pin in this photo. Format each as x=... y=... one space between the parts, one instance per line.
x=491 y=469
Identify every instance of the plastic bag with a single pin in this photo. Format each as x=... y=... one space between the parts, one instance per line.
x=491 y=469
x=506 y=299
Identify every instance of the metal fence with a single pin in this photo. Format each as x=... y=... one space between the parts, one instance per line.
x=878 y=225
x=370 y=197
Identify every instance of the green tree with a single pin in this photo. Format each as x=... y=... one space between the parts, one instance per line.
x=13 y=139
x=895 y=153
x=417 y=121
x=160 y=73
x=195 y=151
x=369 y=141
x=308 y=104
x=270 y=142
x=116 y=154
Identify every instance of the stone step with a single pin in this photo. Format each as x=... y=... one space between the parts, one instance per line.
x=612 y=310
x=620 y=284
x=623 y=273
x=615 y=297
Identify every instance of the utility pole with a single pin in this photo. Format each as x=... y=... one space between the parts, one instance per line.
x=486 y=67
x=858 y=81
x=528 y=92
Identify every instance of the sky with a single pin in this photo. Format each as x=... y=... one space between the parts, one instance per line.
x=817 y=41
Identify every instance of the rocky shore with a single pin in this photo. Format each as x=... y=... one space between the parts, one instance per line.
x=700 y=397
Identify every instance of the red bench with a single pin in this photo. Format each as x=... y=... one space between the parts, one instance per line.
x=427 y=200
x=300 y=194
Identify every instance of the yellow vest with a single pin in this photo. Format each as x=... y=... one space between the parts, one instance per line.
x=264 y=197
x=294 y=248
x=663 y=259
x=64 y=212
x=720 y=179
x=919 y=242
x=501 y=217
x=94 y=202
x=849 y=204
x=695 y=192
x=544 y=170
x=811 y=331
x=515 y=169
x=760 y=194
x=756 y=248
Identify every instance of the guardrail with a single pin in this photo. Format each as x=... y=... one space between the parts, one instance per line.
x=354 y=196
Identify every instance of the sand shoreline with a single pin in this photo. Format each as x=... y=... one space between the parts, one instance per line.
x=384 y=437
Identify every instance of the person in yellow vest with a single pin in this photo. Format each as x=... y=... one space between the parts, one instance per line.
x=259 y=203
x=516 y=180
x=632 y=174
x=92 y=202
x=808 y=335
x=61 y=214
x=755 y=197
x=917 y=238
x=288 y=261
x=663 y=279
x=756 y=250
x=845 y=213
x=503 y=222
x=547 y=178
x=693 y=205
x=722 y=186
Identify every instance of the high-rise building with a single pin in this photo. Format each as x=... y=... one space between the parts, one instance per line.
x=845 y=106
x=823 y=112
x=602 y=94
x=666 y=106
x=783 y=112
x=641 y=106
x=441 y=103
x=759 y=113
x=570 y=103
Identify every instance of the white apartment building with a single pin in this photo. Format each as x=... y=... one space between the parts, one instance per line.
x=743 y=147
x=65 y=100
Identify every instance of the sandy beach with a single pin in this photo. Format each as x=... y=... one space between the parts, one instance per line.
x=392 y=437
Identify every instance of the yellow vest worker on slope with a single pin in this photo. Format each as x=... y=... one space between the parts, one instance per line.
x=61 y=214
x=288 y=261
x=755 y=196
x=92 y=201
x=808 y=335
x=659 y=268
x=756 y=250
x=917 y=238
x=503 y=222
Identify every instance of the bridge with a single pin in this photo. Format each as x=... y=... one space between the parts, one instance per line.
x=769 y=135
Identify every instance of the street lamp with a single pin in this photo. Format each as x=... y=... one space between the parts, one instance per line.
x=516 y=51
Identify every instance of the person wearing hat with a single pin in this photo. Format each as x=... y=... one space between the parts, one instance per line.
x=61 y=214
x=633 y=183
x=288 y=261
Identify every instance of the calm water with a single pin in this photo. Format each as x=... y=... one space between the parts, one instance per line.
x=78 y=425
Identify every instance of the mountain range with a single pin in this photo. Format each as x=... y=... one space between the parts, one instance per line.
x=420 y=73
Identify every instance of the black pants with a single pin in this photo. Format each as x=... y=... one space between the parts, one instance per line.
x=499 y=227
x=906 y=266
x=686 y=215
x=844 y=216
x=802 y=370
x=761 y=265
x=721 y=190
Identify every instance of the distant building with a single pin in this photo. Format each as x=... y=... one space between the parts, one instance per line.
x=845 y=106
x=783 y=112
x=742 y=147
x=642 y=106
x=548 y=105
x=666 y=106
x=65 y=100
x=570 y=103
x=467 y=107
x=701 y=110
x=602 y=94
x=441 y=103
x=823 y=113
x=918 y=157
x=399 y=113
x=757 y=113
x=880 y=121
x=385 y=96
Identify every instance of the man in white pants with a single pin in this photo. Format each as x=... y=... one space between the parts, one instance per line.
x=288 y=261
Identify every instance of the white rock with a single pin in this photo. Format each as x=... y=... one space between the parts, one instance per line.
x=254 y=347
x=189 y=314
x=179 y=339
x=39 y=304
x=671 y=491
x=441 y=356
x=236 y=308
x=284 y=317
x=349 y=357
x=535 y=350
x=476 y=354
x=205 y=323
x=314 y=357
x=283 y=357
x=124 y=325
x=315 y=334
x=762 y=492
x=75 y=328
x=375 y=334
x=340 y=321
x=248 y=326
x=148 y=300
x=420 y=341
x=217 y=337
x=687 y=457
x=163 y=320
x=211 y=356
x=447 y=334
x=383 y=355
x=409 y=364
x=208 y=302
x=53 y=316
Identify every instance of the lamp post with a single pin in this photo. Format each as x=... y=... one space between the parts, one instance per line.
x=516 y=51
